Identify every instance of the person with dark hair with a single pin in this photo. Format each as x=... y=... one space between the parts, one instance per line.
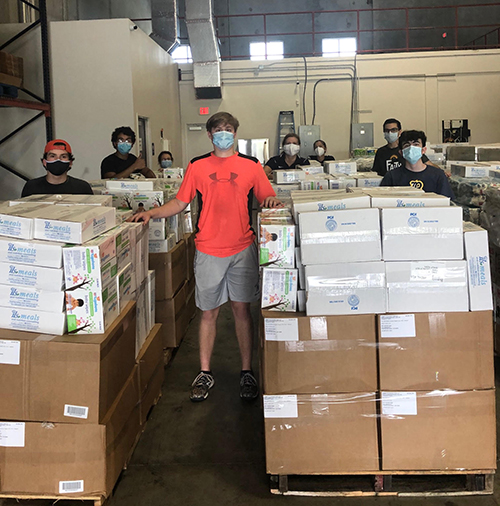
x=416 y=172
x=226 y=262
x=320 y=150
x=57 y=161
x=122 y=163
x=165 y=159
x=289 y=157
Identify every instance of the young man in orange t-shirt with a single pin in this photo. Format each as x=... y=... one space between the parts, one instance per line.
x=226 y=263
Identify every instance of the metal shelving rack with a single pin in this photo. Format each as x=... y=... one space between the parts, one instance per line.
x=39 y=103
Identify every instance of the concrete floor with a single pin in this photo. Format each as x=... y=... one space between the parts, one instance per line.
x=212 y=453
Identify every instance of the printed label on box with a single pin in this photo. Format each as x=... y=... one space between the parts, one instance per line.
x=478 y=266
x=428 y=271
x=399 y=403
x=12 y=434
x=398 y=325
x=10 y=352
x=281 y=329
x=70 y=487
x=76 y=411
x=280 y=406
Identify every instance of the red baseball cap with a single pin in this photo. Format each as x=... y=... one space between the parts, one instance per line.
x=58 y=144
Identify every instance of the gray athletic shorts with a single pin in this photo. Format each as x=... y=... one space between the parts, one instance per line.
x=233 y=278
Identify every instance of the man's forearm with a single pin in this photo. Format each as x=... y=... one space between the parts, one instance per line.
x=171 y=208
x=126 y=173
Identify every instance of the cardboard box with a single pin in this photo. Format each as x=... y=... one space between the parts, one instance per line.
x=340 y=166
x=315 y=182
x=331 y=354
x=39 y=253
x=163 y=246
x=488 y=153
x=11 y=65
x=367 y=179
x=435 y=351
x=151 y=396
x=339 y=183
x=410 y=200
x=332 y=202
x=67 y=200
x=279 y=289
x=284 y=191
x=424 y=287
x=301 y=268
x=31 y=298
x=171 y=271
x=150 y=298
x=342 y=236
x=277 y=242
x=422 y=234
x=43 y=378
x=301 y=300
x=124 y=286
x=74 y=224
x=32 y=320
x=460 y=153
x=439 y=430
x=311 y=170
x=321 y=434
x=174 y=317
x=470 y=170
x=17 y=221
x=158 y=230
x=346 y=289
x=189 y=239
x=478 y=267
x=283 y=176
x=33 y=276
x=98 y=452
x=143 y=316
x=130 y=184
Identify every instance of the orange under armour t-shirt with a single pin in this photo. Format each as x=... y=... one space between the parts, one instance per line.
x=225 y=189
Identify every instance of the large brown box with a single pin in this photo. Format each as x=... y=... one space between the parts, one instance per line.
x=171 y=270
x=81 y=371
x=328 y=434
x=451 y=430
x=150 y=356
x=173 y=315
x=332 y=354
x=152 y=393
x=11 y=70
x=450 y=350
x=62 y=452
x=190 y=253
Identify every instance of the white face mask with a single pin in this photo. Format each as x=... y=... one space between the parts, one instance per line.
x=319 y=151
x=291 y=149
x=391 y=137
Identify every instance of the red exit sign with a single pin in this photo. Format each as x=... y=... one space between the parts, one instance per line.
x=204 y=111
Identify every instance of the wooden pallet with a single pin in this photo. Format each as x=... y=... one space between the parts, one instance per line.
x=386 y=483
x=96 y=500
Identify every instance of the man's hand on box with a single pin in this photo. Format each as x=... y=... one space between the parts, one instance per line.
x=144 y=217
x=272 y=202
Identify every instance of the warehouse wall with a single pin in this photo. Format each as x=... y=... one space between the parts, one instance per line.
x=420 y=89
x=104 y=76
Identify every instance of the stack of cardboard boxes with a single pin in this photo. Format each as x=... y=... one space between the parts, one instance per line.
x=391 y=368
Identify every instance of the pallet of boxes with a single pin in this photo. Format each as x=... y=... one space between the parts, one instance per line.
x=78 y=376
x=383 y=383
x=171 y=250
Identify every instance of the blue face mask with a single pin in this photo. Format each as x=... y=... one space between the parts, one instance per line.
x=223 y=140
x=412 y=154
x=166 y=164
x=124 y=147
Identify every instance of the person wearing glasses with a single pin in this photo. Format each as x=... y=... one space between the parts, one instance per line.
x=388 y=157
x=122 y=163
x=57 y=161
x=415 y=172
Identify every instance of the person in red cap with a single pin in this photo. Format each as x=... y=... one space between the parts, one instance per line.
x=57 y=161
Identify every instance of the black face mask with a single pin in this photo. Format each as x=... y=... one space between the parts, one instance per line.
x=57 y=167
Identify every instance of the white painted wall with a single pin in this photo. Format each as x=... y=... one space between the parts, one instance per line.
x=420 y=89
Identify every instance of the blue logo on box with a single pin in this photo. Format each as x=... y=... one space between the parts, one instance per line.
x=413 y=221
x=331 y=225
x=353 y=301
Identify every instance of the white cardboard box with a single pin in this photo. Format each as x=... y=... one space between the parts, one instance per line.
x=42 y=278
x=282 y=176
x=428 y=233
x=301 y=268
x=478 y=267
x=124 y=286
x=367 y=179
x=301 y=300
x=74 y=224
x=427 y=287
x=340 y=183
x=158 y=229
x=333 y=203
x=130 y=184
x=411 y=200
x=151 y=299
x=284 y=191
x=142 y=316
x=18 y=221
x=340 y=166
x=351 y=235
x=346 y=289
x=29 y=320
x=41 y=253
x=470 y=170
x=312 y=169
x=279 y=289
x=31 y=298
x=163 y=246
x=314 y=184
x=277 y=242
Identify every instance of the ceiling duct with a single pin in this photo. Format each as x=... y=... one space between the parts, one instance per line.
x=204 y=48
x=164 y=23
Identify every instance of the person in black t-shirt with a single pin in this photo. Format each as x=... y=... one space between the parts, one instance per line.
x=320 y=150
x=57 y=161
x=415 y=172
x=289 y=158
x=389 y=157
x=122 y=163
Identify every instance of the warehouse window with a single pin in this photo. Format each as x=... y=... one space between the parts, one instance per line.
x=266 y=50
x=345 y=46
x=182 y=54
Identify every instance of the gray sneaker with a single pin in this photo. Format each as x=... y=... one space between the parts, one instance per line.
x=200 y=386
x=249 y=389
